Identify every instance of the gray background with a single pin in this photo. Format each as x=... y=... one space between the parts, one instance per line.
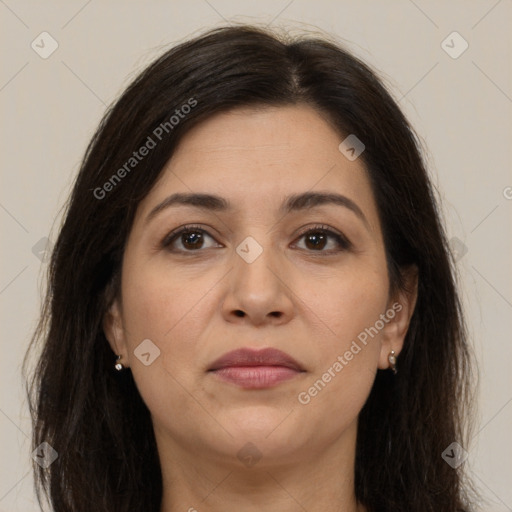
x=461 y=107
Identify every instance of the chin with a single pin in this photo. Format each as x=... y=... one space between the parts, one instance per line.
x=266 y=429
x=258 y=420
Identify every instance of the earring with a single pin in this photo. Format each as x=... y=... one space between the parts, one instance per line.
x=118 y=366
x=392 y=362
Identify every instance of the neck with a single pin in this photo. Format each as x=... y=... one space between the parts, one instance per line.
x=316 y=481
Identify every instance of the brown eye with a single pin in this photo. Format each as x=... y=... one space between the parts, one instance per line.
x=187 y=239
x=317 y=239
x=192 y=240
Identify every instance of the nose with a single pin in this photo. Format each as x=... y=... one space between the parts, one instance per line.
x=258 y=291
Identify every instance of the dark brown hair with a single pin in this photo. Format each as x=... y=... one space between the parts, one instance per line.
x=95 y=418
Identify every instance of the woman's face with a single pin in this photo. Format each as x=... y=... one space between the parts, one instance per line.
x=268 y=263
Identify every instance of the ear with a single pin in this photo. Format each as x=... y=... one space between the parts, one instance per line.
x=398 y=315
x=115 y=332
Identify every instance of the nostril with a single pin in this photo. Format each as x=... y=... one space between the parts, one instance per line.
x=238 y=312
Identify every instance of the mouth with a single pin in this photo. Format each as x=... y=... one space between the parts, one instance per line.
x=256 y=369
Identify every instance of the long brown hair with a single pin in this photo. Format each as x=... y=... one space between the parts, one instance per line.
x=95 y=418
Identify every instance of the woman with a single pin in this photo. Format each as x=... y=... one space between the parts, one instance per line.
x=251 y=302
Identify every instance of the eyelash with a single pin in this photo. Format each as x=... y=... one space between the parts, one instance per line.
x=342 y=241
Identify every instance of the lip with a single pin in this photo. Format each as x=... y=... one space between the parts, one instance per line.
x=256 y=369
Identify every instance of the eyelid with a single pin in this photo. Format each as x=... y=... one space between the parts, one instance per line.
x=183 y=229
x=342 y=240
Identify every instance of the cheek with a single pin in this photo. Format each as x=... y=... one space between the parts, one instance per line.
x=164 y=307
x=333 y=400
x=170 y=309
x=347 y=341
x=347 y=303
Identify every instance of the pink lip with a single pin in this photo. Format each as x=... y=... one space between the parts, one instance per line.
x=256 y=369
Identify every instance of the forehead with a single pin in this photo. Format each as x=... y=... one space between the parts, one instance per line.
x=255 y=157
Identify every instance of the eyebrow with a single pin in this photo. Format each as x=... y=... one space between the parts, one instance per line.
x=296 y=202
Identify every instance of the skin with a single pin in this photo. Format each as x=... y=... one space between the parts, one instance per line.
x=306 y=301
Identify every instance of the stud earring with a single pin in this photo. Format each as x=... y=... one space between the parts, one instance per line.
x=118 y=366
x=392 y=362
